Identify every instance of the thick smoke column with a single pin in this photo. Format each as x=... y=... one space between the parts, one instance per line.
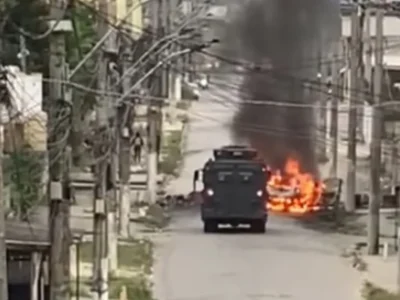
x=284 y=35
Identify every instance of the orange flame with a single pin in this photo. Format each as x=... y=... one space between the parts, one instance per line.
x=294 y=191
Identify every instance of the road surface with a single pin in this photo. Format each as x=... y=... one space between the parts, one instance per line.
x=288 y=262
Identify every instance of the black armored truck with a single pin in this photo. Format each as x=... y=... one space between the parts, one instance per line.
x=234 y=189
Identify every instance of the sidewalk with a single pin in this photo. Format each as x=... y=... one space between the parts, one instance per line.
x=362 y=168
x=382 y=272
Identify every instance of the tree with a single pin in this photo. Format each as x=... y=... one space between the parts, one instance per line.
x=28 y=15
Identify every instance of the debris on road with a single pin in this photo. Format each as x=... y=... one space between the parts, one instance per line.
x=354 y=254
x=153 y=216
x=372 y=292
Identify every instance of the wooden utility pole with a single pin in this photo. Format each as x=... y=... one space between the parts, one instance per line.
x=3 y=246
x=124 y=135
x=102 y=154
x=376 y=146
x=59 y=227
x=352 y=119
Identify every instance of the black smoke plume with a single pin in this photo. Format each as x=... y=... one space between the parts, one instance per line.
x=281 y=35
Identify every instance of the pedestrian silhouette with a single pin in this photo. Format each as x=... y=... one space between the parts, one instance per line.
x=137 y=148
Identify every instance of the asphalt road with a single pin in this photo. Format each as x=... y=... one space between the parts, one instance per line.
x=288 y=262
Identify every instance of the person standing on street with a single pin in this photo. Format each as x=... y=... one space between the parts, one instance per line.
x=137 y=148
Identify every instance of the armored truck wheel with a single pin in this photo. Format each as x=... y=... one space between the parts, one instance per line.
x=210 y=226
x=258 y=226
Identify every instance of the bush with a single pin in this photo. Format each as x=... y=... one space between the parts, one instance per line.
x=23 y=172
x=183 y=105
x=372 y=292
x=137 y=288
x=136 y=258
x=173 y=154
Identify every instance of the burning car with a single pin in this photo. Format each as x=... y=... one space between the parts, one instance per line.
x=293 y=190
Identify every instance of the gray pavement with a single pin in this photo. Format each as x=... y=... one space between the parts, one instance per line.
x=288 y=262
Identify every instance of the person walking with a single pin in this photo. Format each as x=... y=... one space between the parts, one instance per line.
x=137 y=148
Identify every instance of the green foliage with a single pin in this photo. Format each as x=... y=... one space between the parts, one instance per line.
x=372 y=292
x=136 y=258
x=137 y=287
x=23 y=173
x=183 y=105
x=78 y=45
x=30 y=16
x=85 y=38
x=173 y=153
x=135 y=254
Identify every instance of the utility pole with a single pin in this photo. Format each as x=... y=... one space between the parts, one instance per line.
x=152 y=116
x=337 y=94
x=112 y=175
x=361 y=73
x=124 y=135
x=368 y=48
x=321 y=94
x=23 y=53
x=59 y=227
x=376 y=146
x=394 y=159
x=352 y=119
x=398 y=258
x=3 y=246
x=166 y=29
x=102 y=153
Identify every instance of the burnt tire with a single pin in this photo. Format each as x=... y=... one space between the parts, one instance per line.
x=210 y=226
x=258 y=226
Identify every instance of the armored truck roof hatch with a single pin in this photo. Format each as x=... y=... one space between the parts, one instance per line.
x=235 y=152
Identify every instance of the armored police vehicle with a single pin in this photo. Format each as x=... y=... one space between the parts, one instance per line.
x=234 y=189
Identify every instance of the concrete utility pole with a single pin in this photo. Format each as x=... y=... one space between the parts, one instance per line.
x=166 y=29
x=361 y=74
x=102 y=154
x=394 y=156
x=352 y=120
x=152 y=115
x=368 y=47
x=398 y=259
x=376 y=146
x=112 y=185
x=3 y=246
x=321 y=94
x=125 y=149
x=176 y=76
x=23 y=53
x=337 y=94
x=59 y=227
